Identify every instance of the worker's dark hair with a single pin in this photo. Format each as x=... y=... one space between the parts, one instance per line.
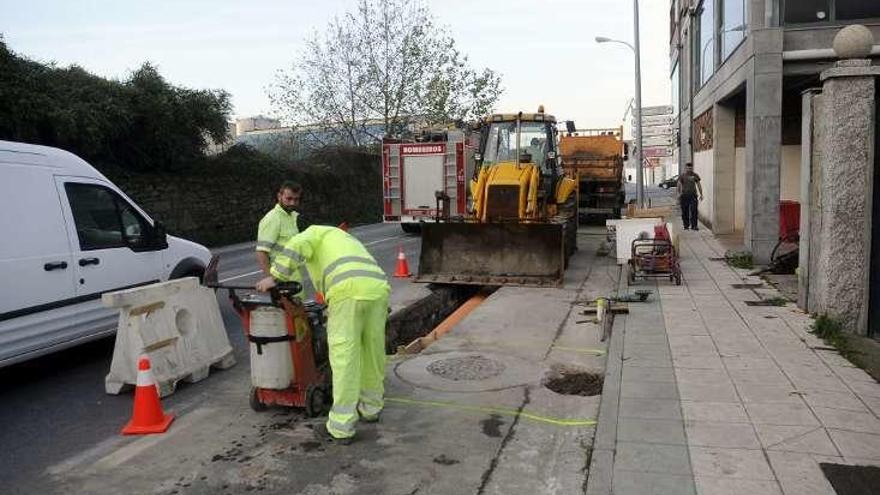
x=289 y=184
x=688 y=164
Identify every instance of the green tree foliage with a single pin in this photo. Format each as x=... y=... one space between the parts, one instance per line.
x=376 y=71
x=141 y=123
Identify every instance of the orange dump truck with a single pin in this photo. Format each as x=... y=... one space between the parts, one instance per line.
x=594 y=158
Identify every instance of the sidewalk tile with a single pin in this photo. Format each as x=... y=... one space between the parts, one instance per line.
x=668 y=431
x=648 y=350
x=732 y=486
x=730 y=463
x=856 y=444
x=692 y=345
x=873 y=404
x=649 y=390
x=697 y=362
x=865 y=389
x=768 y=393
x=799 y=474
x=833 y=358
x=802 y=439
x=748 y=363
x=727 y=412
x=853 y=375
x=652 y=458
x=650 y=408
x=708 y=391
x=784 y=413
x=646 y=374
x=836 y=400
x=767 y=376
x=646 y=361
x=713 y=376
x=848 y=420
x=729 y=435
x=634 y=483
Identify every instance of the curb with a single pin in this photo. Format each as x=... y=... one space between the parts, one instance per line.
x=601 y=471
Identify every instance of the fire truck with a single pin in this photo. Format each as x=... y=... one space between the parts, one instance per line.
x=425 y=179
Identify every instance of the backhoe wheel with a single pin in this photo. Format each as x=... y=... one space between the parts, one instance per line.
x=256 y=405
x=316 y=401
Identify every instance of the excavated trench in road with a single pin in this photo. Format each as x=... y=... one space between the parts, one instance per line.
x=421 y=318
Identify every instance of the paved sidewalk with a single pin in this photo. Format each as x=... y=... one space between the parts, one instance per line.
x=712 y=396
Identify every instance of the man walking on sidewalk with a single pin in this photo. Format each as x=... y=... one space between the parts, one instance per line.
x=356 y=290
x=688 y=185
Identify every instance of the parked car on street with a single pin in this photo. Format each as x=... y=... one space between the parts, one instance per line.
x=67 y=235
x=670 y=182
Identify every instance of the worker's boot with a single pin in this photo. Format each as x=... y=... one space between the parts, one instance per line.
x=326 y=436
x=370 y=419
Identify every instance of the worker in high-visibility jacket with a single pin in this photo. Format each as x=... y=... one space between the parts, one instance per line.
x=356 y=291
x=278 y=225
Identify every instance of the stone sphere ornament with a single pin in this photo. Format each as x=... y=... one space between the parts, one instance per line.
x=853 y=41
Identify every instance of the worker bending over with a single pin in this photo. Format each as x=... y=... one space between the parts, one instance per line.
x=356 y=292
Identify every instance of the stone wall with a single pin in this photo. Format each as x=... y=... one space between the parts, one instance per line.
x=221 y=202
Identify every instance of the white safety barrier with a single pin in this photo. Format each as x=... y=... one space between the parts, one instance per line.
x=177 y=324
x=627 y=230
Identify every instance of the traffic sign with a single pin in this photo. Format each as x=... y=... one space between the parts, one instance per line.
x=654 y=120
x=656 y=141
x=656 y=131
x=657 y=151
x=658 y=110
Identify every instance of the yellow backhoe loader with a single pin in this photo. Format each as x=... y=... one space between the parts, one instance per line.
x=521 y=224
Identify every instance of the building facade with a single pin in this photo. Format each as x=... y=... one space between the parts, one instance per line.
x=738 y=70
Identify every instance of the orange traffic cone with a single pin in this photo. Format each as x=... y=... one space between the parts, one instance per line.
x=319 y=297
x=402 y=266
x=148 y=416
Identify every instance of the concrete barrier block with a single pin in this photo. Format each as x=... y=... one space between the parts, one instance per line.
x=177 y=324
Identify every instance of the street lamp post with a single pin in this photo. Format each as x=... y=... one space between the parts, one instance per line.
x=640 y=186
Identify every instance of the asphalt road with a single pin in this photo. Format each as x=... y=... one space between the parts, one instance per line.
x=54 y=408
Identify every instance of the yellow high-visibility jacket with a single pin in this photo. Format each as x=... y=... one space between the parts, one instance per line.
x=338 y=264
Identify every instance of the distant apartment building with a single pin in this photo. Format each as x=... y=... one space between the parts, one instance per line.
x=738 y=70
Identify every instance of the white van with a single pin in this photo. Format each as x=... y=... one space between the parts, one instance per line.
x=67 y=235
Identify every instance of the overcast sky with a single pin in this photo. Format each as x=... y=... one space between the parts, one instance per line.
x=544 y=49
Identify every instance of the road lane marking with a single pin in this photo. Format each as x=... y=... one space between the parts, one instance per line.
x=124 y=454
x=383 y=240
x=248 y=274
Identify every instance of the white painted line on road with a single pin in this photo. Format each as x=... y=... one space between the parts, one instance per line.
x=248 y=274
x=123 y=455
x=383 y=240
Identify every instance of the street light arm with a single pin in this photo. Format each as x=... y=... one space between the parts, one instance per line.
x=602 y=39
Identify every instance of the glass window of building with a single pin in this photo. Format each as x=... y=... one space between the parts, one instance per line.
x=856 y=9
x=676 y=85
x=706 y=49
x=809 y=10
x=733 y=26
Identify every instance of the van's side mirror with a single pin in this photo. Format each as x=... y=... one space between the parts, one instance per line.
x=160 y=236
x=625 y=151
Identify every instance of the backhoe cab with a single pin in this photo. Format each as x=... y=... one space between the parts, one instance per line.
x=521 y=225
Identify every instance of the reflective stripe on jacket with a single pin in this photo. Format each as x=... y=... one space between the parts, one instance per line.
x=338 y=264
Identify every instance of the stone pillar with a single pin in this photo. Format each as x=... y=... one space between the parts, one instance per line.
x=808 y=201
x=724 y=158
x=763 y=144
x=846 y=144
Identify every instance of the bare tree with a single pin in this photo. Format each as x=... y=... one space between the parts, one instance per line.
x=377 y=70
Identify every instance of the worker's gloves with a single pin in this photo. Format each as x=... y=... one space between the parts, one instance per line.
x=266 y=284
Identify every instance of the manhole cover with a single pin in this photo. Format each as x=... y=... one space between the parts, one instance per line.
x=574 y=382
x=468 y=368
x=852 y=480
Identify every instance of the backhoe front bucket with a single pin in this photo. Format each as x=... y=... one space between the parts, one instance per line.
x=517 y=254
